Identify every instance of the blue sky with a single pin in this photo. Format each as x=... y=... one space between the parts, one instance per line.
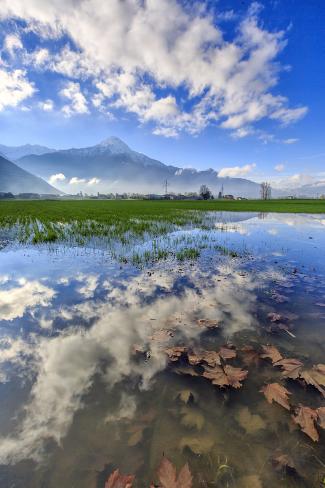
x=236 y=86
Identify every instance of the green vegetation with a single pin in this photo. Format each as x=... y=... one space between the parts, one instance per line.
x=132 y=230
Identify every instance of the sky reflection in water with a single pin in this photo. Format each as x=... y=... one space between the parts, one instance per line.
x=71 y=322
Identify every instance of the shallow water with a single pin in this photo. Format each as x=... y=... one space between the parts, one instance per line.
x=86 y=385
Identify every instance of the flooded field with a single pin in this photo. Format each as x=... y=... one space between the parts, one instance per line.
x=211 y=355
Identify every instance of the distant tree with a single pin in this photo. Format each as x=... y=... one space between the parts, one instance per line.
x=265 y=190
x=205 y=192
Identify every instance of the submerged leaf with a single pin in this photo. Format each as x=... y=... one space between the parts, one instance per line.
x=282 y=461
x=252 y=423
x=117 y=480
x=250 y=355
x=185 y=395
x=306 y=418
x=167 y=475
x=227 y=352
x=250 y=481
x=198 y=445
x=192 y=418
x=272 y=353
x=274 y=392
x=235 y=376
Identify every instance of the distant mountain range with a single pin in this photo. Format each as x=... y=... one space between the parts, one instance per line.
x=111 y=166
x=120 y=169
x=16 y=180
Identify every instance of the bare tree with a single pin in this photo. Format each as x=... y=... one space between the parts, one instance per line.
x=205 y=192
x=265 y=191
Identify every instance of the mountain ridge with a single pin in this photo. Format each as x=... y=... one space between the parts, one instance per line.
x=121 y=169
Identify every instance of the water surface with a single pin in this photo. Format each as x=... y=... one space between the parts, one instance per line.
x=87 y=387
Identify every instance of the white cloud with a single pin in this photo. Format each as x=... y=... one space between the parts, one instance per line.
x=77 y=181
x=23 y=295
x=93 y=181
x=47 y=105
x=14 y=88
x=165 y=45
x=236 y=171
x=78 y=103
x=290 y=141
x=55 y=178
x=12 y=42
x=279 y=167
x=294 y=181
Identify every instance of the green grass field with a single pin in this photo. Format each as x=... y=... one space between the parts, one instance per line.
x=41 y=221
x=111 y=210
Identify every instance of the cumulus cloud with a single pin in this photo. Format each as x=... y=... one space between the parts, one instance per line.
x=226 y=80
x=56 y=178
x=14 y=88
x=279 y=167
x=236 y=171
x=77 y=181
x=78 y=103
x=93 y=181
x=12 y=42
x=47 y=105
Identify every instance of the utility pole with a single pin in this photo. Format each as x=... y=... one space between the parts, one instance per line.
x=166 y=187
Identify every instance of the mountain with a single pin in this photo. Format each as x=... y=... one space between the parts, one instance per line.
x=120 y=169
x=16 y=152
x=312 y=190
x=16 y=180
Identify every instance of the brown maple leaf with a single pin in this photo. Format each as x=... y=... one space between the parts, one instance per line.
x=212 y=358
x=174 y=353
x=118 y=480
x=315 y=377
x=321 y=417
x=291 y=368
x=168 y=476
x=274 y=392
x=272 y=353
x=225 y=376
x=227 y=352
x=306 y=418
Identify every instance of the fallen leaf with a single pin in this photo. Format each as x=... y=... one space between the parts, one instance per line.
x=315 y=377
x=136 y=436
x=291 y=368
x=227 y=352
x=252 y=423
x=198 y=445
x=209 y=323
x=274 y=392
x=272 y=353
x=174 y=353
x=168 y=476
x=321 y=416
x=225 y=376
x=212 y=358
x=235 y=376
x=282 y=461
x=306 y=418
x=117 y=480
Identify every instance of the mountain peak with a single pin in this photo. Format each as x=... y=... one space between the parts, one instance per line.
x=115 y=145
